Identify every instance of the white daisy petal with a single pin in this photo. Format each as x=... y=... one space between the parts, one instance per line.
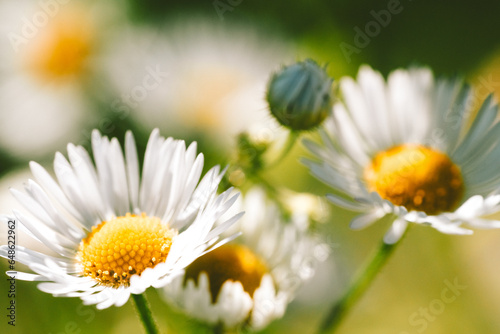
x=52 y=239
x=396 y=231
x=122 y=298
x=373 y=89
x=52 y=188
x=206 y=187
x=62 y=222
x=483 y=121
x=268 y=304
x=363 y=220
x=444 y=224
x=132 y=170
x=489 y=150
x=471 y=208
x=344 y=203
x=29 y=277
x=233 y=304
x=100 y=147
x=190 y=184
x=84 y=170
x=35 y=209
x=350 y=136
x=72 y=188
x=118 y=173
x=454 y=119
x=28 y=256
x=484 y=223
x=148 y=169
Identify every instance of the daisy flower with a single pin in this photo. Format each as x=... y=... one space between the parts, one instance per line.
x=51 y=52
x=410 y=149
x=250 y=283
x=113 y=232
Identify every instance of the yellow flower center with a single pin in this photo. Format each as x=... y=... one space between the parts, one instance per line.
x=62 y=48
x=124 y=246
x=416 y=177
x=232 y=262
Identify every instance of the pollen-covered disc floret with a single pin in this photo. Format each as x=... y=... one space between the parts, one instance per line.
x=416 y=177
x=231 y=262
x=117 y=249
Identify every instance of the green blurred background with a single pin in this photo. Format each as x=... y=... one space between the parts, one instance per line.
x=451 y=37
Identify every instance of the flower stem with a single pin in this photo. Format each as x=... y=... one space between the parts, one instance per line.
x=359 y=286
x=290 y=142
x=145 y=314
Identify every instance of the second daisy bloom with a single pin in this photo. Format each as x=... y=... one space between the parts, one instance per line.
x=250 y=283
x=405 y=147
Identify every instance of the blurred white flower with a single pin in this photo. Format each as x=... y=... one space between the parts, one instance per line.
x=48 y=58
x=305 y=207
x=252 y=280
x=198 y=76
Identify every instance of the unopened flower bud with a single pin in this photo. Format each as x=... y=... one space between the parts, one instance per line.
x=300 y=95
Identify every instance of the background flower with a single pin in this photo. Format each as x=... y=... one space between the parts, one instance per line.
x=209 y=78
x=50 y=62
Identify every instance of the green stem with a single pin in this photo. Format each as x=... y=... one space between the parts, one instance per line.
x=145 y=314
x=290 y=142
x=359 y=286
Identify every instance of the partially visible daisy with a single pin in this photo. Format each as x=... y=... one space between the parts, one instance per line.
x=197 y=76
x=48 y=59
x=408 y=148
x=250 y=282
x=115 y=232
x=17 y=178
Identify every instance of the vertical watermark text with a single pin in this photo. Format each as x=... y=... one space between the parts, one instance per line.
x=11 y=273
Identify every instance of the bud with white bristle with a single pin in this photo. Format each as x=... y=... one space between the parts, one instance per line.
x=300 y=96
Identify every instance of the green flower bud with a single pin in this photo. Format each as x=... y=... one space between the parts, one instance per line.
x=300 y=95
